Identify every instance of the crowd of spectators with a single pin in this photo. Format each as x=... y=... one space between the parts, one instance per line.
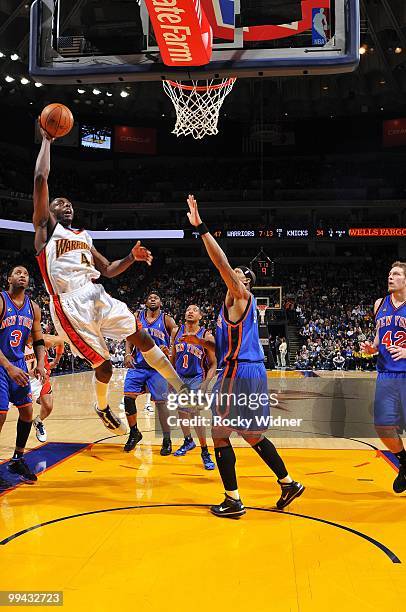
x=329 y=305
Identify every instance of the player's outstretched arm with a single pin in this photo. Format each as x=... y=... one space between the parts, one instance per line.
x=212 y=362
x=115 y=268
x=43 y=219
x=372 y=348
x=207 y=343
x=216 y=254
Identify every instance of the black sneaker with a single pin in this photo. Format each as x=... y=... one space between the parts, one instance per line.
x=5 y=484
x=230 y=508
x=166 y=448
x=289 y=493
x=133 y=439
x=20 y=467
x=110 y=420
x=399 y=484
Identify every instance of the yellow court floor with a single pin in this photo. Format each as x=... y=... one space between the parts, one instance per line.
x=115 y=531
x=137 y=529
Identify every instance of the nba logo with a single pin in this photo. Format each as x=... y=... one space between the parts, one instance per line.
x=320 y=26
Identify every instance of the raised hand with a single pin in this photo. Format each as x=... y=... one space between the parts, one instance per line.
x=193 y=214
x=141 y=253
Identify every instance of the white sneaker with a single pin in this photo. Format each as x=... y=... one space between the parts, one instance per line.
x=40 y=430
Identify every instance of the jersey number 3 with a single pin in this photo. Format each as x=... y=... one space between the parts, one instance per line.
x=16 y=335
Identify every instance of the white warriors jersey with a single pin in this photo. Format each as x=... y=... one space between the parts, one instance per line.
x=66 y=262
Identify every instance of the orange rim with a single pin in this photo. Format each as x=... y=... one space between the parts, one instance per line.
x=180 y=85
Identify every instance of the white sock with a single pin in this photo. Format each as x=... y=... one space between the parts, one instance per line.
x=286 y=480
x=234 y=494
x=101 y=390
x=157 y=360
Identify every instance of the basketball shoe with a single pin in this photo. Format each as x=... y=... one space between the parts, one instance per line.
x=289 y=492
x=229 y=508
x=110 y=420
x=207 y=461
x=188 y=445
x=20 y=467
x=133 y=439
x=399 y=484
x=40 y=430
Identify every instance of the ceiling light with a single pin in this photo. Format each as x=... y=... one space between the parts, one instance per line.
x=124 y=94
x=14 y=57
x=38 y=84
x=81 y=91
x=9 y=79
x=363 y=49
x=96 y=91
x=2 y=54
x=108 y=94
x=24 y=81
x=398 y=50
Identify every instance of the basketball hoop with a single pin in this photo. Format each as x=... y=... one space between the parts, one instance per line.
x=198 y=106
x=262 y=308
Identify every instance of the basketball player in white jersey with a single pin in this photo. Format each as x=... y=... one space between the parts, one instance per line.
x=42 y=391
x=82 y=312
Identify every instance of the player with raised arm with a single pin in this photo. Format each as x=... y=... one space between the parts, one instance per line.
x=20 y=317
x=390 y=346
x=196 y=366
x=243 y=376
x=84 y=314
x=42 y=392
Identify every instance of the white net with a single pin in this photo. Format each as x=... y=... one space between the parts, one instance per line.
x=198 y=105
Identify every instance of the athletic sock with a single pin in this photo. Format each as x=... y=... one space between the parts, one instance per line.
x=225 y=458
x=401 y=455
x=166 y=435
x=204 y=449
x=23 y=431
x=17 y=454
x=233 y=494
x=188 y=439
x=134 y=428
x=268 y=453
x=101 y=390
x=159 y=362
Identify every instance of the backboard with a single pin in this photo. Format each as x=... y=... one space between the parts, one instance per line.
x=96 y=41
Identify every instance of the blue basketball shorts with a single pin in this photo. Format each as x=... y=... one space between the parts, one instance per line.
x=390 y=399
x=241 y=397
x=144 y=380
x=10 y=392
x=193 y=382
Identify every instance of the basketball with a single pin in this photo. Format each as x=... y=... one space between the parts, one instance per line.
x=57 y=120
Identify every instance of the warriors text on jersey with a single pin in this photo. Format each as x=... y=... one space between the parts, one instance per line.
x=190 y=359
x=66 y=261
x=391 y=328
x=15 y=327
x=157 y=331
x=239 y=341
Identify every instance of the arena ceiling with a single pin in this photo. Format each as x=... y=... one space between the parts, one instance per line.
x=379 y=85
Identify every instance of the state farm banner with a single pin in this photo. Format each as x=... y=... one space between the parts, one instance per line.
x=394 y=133
x=135 y=140
x=182 y=31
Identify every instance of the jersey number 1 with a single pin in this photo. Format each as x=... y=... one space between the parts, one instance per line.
x=185 y=363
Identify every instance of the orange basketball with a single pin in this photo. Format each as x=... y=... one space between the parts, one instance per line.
x=57 y=120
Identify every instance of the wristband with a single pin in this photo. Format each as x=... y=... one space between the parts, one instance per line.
x=38 y=343
x=202 y=229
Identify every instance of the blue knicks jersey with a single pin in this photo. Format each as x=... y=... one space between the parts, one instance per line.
x=391 y=327
x=15 y=327
x=239 y=341
x=190 y=359
x=159 y=333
